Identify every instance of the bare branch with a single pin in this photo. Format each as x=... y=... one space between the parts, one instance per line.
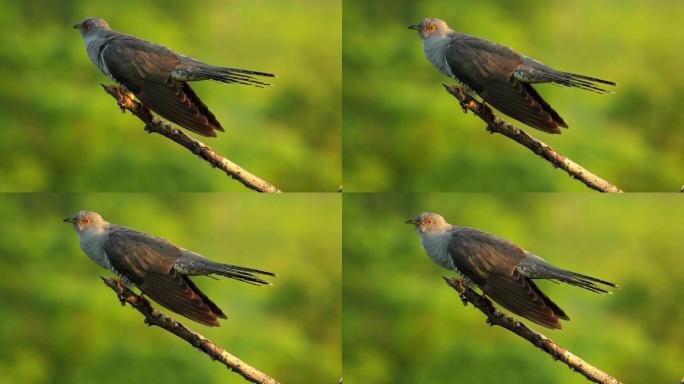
x=154 y=317
x=496 y=317
x=495 y=124
x=153 y=124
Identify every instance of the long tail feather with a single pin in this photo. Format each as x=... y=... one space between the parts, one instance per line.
x=226 y=75
x=247 y=275
x=577 y=81
x=577 y=279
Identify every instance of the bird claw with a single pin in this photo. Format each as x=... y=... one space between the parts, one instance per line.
x=464 y=299
x=122 y=299
x=462 y=295
x=466 y=101
x=465 y=105
x=124 y=97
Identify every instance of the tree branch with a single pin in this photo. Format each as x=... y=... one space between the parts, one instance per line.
x=496 y=317
x=154 y=317
x=153 y=124
x=495 y=124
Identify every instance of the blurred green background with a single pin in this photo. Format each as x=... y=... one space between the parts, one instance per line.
x=403 y=132
x=403 y=324
x=60 y=324
x=62 y=132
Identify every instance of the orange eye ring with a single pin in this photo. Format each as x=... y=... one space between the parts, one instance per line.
x=428 y=221
x=431 y=28
x=86 y=221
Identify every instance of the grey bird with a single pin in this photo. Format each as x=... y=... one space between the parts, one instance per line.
x=498 y=74
x=158 y=268
x=159 y=76
x=501 y=269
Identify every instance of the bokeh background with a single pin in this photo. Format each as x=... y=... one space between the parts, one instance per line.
x=404 y=132
x=60 y=324
x=62 y=132
x=403 y=324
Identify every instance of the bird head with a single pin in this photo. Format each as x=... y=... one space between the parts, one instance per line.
x=87 y=221
x=429 y=223
x=431 y=27
x=92 y=25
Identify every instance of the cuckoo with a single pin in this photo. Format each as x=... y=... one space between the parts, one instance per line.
x=158 y=76
x=498 y=74
x=502 y=270
x=158 y=268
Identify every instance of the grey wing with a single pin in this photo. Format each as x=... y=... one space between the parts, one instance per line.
x=134 y=254
x=489 y=69
x=478 y=254
x=476 y=61
x=146 y=69
x=148 y=262
x=490 y=262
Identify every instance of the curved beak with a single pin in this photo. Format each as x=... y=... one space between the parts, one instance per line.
x=412 y=221
x=68 y=220
x=414 y=26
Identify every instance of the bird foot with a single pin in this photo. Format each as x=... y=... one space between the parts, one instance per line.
x=122 y=296
x=124 y=97
x=462 y=290
x=464 y=299
x=466 y=101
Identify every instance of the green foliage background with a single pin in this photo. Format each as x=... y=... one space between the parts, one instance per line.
x=62 y=132
x=403 y=132
x=60 y=324
x=403 y=324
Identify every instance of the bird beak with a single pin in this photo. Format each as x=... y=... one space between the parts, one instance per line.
x=414 y=26
x=69 y=220
x=77 y=26
x=412 y=221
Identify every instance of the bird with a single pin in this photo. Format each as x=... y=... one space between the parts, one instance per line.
x=158 y=268
x=498 y=74
x=502 y=270
x=158 y=76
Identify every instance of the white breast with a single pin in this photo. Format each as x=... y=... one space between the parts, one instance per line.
x=435 y=49
x=93 y=45
x=92 y=245
x=437 y=248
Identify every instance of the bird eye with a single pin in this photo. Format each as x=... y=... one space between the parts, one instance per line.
x=431 y=27
x=86 y=27
x=86 y=221
x=428 y=221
